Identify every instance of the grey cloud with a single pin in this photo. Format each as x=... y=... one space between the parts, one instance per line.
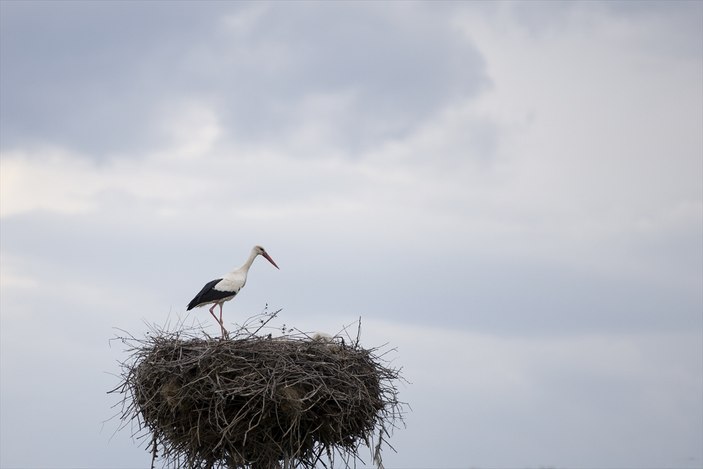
x=85 y=74
x=466 y=290
x=681 y=20
x=400 y=70
x=105 y=94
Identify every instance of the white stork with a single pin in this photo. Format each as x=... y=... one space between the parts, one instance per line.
x=225 y=288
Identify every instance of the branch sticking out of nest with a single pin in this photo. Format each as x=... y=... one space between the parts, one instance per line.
x=254 y=401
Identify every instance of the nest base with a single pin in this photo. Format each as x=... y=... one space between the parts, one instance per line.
x=256 y=401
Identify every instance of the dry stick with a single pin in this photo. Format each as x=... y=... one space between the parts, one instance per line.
x=154 y=452
x=264 y=322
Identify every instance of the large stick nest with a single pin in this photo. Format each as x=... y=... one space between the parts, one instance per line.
x=257 y=401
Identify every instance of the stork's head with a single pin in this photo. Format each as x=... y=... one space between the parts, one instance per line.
x=261 y=251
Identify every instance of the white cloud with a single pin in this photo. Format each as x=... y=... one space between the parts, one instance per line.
x=594 y=118
x=599 y=135
x=13 y=276
x=50 y=179
x=192 y=129
x=56 y=181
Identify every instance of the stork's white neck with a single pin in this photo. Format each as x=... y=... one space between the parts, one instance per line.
x=249 y=261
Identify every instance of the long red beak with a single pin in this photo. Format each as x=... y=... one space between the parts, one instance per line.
x=268 y=258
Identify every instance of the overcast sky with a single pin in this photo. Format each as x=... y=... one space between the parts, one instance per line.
x=509 y=193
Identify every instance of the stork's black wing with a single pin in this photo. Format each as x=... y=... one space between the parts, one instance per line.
x=209 y=295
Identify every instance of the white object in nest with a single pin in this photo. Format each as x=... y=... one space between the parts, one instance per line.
x=322 y=337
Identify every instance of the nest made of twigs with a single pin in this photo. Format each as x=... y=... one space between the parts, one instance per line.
x=256 y=401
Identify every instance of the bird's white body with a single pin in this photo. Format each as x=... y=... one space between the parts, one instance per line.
x=232 y=282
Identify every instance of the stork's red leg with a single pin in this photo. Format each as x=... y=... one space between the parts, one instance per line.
x=213 y=314
x=222 y=325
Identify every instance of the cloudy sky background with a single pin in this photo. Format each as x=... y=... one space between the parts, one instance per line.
x=509 y=193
